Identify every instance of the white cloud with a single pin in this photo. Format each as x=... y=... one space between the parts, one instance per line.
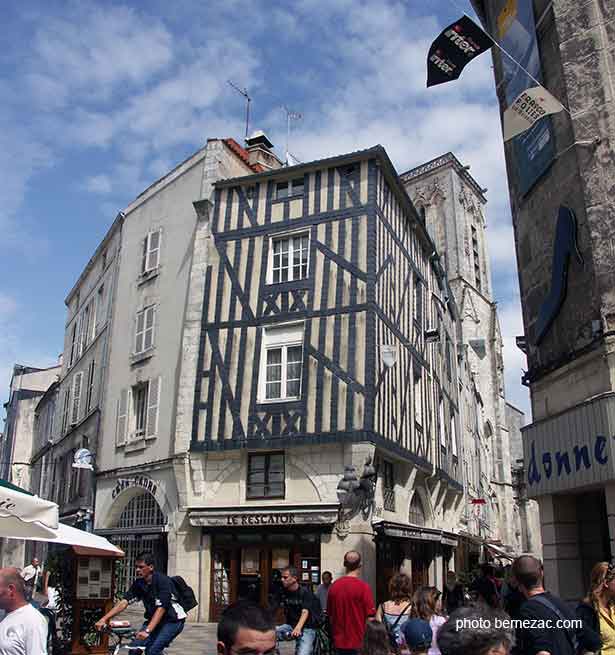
x=110 y=46
x=98 y=184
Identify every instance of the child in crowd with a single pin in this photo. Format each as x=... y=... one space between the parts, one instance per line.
x=418 y=636
x=376 y=640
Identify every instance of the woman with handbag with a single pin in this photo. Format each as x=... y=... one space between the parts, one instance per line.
x=396 y=611
x=597 y=611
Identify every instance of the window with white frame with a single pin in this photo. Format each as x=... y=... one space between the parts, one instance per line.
x=137 y=412
x=74 y=343
x=144 y=335
x=289 y=260
x=289 y=188
x=453 y=433
x=65 y=409
x=418 y=394
x=90 y=387
x=282 y=363
x=442 y=426
x=151 y=252
x=77 y=383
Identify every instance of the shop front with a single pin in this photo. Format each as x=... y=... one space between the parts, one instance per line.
x=423 y=553
x=251 y=546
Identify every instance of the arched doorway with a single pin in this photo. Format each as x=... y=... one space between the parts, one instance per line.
x=140 y=527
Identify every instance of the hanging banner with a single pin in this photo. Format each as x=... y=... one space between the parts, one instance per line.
x=529 y=107
x=454 y=48
x=506 y=17
x=534 y=149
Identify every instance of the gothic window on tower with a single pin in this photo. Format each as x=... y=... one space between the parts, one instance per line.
x=476 y=258
x=282 y=363
x=289 y=260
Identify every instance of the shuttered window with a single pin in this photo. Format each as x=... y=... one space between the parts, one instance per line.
x=265 y=475
x=90 y=387
x=138 y=411
x=65 y=409
x=151 y=252
x=122 y=417
x=144 y=337
x=77 y=382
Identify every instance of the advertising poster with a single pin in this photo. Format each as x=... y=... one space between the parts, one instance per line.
x=534 y=150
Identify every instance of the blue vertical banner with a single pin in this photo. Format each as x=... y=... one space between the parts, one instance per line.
x=534 y=150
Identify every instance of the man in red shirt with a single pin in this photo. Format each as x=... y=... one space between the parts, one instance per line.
x=349 y=605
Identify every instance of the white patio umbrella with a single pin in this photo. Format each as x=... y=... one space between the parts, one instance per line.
x=25 y=516
x=22 y=513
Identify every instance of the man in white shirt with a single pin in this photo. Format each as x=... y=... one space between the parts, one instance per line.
x=30 y=574
x=23 y=631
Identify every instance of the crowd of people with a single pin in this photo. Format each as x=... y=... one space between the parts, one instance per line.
x=494 y=615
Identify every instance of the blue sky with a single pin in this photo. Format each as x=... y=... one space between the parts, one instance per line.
x=100 y=99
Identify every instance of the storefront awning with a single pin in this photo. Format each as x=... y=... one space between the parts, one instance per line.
x=415 y=532
x=264 y=517
x=496 y=551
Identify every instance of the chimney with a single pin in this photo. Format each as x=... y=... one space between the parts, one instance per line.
x=260 y=151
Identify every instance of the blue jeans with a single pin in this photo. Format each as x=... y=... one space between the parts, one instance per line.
x=305 y=643
x=162 y=636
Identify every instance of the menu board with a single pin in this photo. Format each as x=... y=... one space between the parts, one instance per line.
x=94 y=576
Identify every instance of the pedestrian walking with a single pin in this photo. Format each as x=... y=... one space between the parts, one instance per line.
x=458 y=637
x=322 y=590
x=376 y=640
x=164 y=616
x=31 y=575
x=485 y=588
x=597 y=613
x=396 y=611
x=428 y=607
x=452 y=594
x=349 y=605
x=302 y=611
x=542 y=606
x=246 y=628
x=23 y=631
x=418 y=636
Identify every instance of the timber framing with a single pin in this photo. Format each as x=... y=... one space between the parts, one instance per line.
x=372 y=275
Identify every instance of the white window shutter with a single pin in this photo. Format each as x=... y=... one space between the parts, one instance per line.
x=149 y=323
x=76 y=397
x=153 y=404
x=144 y=258
x=122 y=418
x=139 y=332
x=153 y=250
x=93 y=307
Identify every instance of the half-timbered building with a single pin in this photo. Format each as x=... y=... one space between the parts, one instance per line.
x=328 y=336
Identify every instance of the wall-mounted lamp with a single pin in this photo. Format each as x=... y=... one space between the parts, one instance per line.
x=388 y=355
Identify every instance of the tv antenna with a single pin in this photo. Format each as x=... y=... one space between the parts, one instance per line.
x=244 y=93
x=290 y=116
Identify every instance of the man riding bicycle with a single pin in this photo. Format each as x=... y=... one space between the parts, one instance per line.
x=164 y=616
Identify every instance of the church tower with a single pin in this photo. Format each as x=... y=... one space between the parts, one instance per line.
x=452 y=205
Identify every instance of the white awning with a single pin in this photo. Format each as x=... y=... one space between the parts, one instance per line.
x=65 y=534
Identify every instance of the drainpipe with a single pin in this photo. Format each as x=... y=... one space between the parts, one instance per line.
x=198 y=615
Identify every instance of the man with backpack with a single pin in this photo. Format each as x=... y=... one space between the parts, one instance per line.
x=164 y=614
x=302 y=610
x=540 y=609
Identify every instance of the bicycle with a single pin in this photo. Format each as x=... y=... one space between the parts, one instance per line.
x=122 y=632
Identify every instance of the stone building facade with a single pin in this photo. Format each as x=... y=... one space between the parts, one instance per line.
x=28 y=386
x=561 y=186
x=138 y=461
